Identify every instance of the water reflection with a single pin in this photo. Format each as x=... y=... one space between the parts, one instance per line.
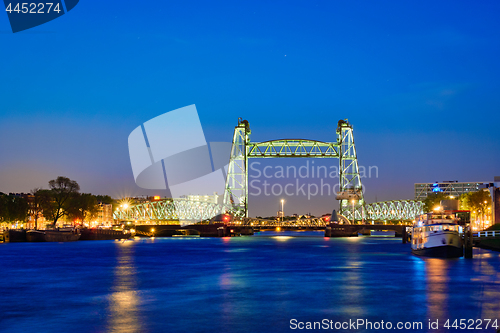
x=488 y=276
x=354 y=288
x=437 y=278
x=282 y=238
x=123 y=302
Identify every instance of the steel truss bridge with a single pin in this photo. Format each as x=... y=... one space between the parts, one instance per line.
x=235 y=200
x=169 y=210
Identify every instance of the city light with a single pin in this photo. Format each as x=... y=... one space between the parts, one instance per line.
x=282 y=210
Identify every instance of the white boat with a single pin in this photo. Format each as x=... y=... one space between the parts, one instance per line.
x=437 y=235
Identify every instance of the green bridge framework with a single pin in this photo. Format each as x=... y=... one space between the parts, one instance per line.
x=235 y=199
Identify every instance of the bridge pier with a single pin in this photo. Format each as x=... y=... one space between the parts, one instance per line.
x=468 y=243
x=352 y=230
x=365 y=232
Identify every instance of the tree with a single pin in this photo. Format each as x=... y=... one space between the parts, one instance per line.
x=47 y=204
x=16 y=208
x=83 y=207
x=105 y=199
x=465 y=203
x=433 y=200
x=35 y=206
x=480 y=201
x=3 y=207
x=477 y=202
x=61 y=190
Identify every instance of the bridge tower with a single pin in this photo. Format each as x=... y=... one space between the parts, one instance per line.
x=236 y=188
x=236 y=191
x=349 y=178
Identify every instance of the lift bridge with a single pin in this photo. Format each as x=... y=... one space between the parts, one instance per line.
x=235 y=200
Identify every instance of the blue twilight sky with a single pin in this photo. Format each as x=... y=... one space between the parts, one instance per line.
x=418 y=80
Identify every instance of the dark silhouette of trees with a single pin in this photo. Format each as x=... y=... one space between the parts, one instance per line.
x=47 y=204
x=61 y=190
x=477 y=202
x=105 y=199
x=13 y=208
x=83 y=207
x=3 y=207
x=433 y=200
x=35 y=205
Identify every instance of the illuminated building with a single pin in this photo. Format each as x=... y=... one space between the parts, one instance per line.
x=105 y=214
x=214 y=198
x=452 y=188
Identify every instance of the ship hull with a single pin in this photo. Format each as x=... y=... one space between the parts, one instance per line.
x=35 y=236
x=103 y=234
x=61 y=236
x=445 y=251
x=14 y=235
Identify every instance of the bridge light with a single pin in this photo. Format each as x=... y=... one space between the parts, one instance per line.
x=156 y=197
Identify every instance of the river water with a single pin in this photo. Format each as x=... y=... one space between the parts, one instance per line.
x=270 y=282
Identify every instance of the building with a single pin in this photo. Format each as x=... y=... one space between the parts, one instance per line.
x=105 y=214
x=452 y=188
x=203 y=198
x=494 y=189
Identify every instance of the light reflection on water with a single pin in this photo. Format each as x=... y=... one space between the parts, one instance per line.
x=241 y=284
x=123 y=301
x=488 y=276
x=437 y=288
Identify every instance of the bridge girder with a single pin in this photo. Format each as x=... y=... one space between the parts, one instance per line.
x=396 y=210
x=294 y=148
x=170 y=209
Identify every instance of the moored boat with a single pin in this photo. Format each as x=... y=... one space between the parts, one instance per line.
x=104 y=234
x=437 y=235
x=35 y=236
x=62 y=235
x=14 y=235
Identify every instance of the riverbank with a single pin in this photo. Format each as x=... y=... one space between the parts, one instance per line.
x=490 y=244
x=22 y=235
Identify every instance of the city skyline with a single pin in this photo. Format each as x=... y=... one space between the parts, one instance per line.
x=418 y=83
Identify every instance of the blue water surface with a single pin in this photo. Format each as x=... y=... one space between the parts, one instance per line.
x=269 y=282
